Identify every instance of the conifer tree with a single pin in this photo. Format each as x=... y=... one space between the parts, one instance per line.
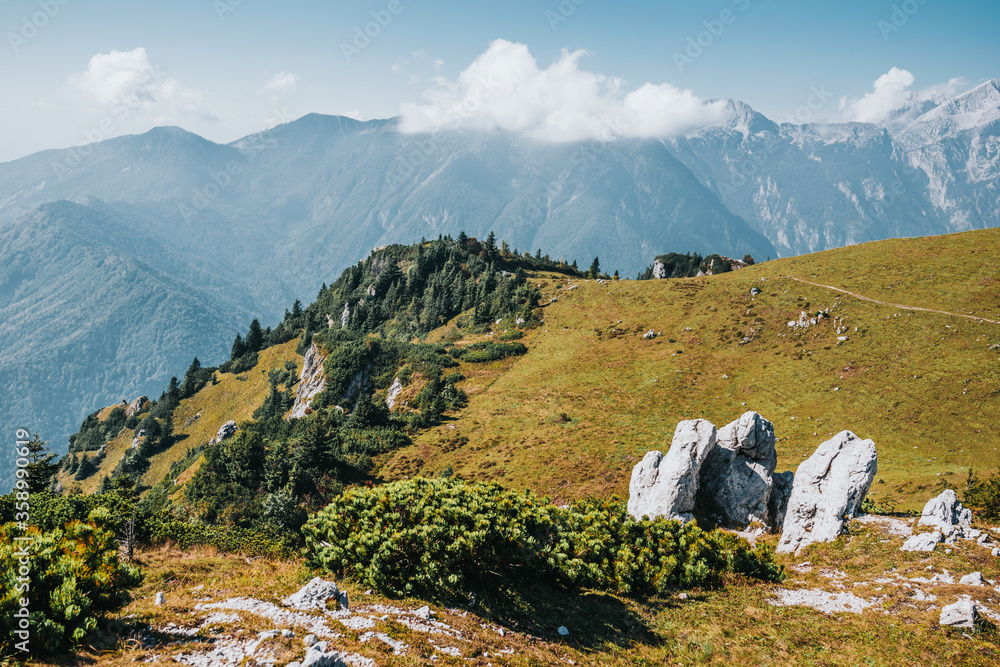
x=41 y=464
x=255 y=337
x=595 y=269
x=238 y=349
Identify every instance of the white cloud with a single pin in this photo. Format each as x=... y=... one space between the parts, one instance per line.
x=891 y=98
x=128 y=78
x=281 y=83
x=504 y=89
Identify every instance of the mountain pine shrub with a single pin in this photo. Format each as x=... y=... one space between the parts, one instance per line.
x=444 y=539
x=75 y=579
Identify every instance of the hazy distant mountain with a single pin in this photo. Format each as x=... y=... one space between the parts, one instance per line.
x=93 y=311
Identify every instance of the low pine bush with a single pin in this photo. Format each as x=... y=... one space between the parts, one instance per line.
x=74 y=579
x=444 y=539
x=983 y=497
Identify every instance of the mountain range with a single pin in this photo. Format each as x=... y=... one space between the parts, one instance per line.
x=123 y=259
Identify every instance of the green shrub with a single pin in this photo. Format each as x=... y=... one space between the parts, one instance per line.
x=983 y=497
x=443 y=539
x=478 y=353
x=74 y=577
x=513 y=334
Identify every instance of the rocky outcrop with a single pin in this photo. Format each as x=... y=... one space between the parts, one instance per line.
x=829 y=487
x=394 y=391
x=312 y=381
x=136 y=406
x=226 y=431
x=666 y=485
x=736 y=479
x=947 y=515
x=659 y=270
x=345 y=316
x=137 y=440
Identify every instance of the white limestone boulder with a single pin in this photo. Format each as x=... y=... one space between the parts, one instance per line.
x=828 y=489
x=666 y=485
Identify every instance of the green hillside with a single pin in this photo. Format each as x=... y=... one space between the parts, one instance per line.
x=573 y=415
x=592 y=396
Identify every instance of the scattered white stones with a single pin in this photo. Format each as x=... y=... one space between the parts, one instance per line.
x=160 y=600
x=820 y=600
x=893 y=526
x=961 y=614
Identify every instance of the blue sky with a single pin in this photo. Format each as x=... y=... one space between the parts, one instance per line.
x=226 y=68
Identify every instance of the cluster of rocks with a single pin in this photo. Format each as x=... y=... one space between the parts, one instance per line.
x=805 y=320
x=950 y=522
x=727 y=478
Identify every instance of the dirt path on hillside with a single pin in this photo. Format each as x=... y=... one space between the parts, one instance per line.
x=894 y=305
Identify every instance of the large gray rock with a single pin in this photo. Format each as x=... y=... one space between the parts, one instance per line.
x=829 y=487
x=313 y=595
x=961 y=614
x=666 y=485
x=922 y=542
x=736 y=478
x=312 y=380
x=946 y=514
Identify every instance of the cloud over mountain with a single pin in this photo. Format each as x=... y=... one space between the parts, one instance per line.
x=505 y=89
x=891 y=97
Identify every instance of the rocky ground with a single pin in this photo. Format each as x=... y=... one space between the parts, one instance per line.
x=858 y=596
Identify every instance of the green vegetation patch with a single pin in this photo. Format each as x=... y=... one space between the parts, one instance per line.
x=445 y=539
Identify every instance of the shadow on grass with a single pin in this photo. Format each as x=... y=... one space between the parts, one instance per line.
x=593 y=619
